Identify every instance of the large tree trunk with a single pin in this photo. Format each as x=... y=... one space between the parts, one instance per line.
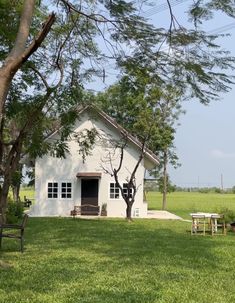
x=165 y=183
x=4 y=195
x=16 y=185
x=20 y=51
x=5 y=81
x=17 y=56
x=12 y=163
x=16 y=192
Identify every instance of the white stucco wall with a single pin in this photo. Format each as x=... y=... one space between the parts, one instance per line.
x=49 y=169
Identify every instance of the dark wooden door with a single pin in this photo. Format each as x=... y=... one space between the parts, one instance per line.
x=89 y=196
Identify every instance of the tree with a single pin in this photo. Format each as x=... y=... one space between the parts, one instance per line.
x=143 y=108
x=233 y=189
x=184 y=63
x=150 y=185
x=129 y=189
x=37 y=56
x=161 y=184
x=16 y=181
x=58 y=46
x=169 y=112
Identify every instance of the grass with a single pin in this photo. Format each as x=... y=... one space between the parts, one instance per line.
x=25 y=191
x=112 y=261
x=183 y=203
x=70 y=260
x=28 y=192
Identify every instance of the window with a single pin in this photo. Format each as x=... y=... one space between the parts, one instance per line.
x=114 y=192
x=66 y=190
x=52 y=190
x=125 y=190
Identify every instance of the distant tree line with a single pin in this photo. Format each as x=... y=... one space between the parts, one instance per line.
x=156 y=185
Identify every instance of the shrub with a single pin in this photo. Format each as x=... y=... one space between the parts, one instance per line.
x=229 y=215
x=14 y=211
x=204 y=190
x=104 y=207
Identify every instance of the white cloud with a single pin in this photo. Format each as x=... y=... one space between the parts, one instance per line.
x=216 y=153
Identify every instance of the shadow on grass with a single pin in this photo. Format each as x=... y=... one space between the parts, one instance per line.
x=117 y=239
x=107 y=260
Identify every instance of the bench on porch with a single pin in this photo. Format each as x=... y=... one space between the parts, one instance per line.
x=85 y=209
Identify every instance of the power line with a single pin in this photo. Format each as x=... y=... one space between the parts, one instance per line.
x=217 y=30
x=159 y=8
x=222 y=28
x=156 y=9
x=164 y=6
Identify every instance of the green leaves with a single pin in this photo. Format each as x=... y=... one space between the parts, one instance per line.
x=159 y=67
x=119 y=8
x=204 y=10
x=59 y=149
x=86 y=140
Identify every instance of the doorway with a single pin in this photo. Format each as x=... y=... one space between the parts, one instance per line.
x=89 y=196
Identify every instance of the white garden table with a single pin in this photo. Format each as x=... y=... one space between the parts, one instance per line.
x=206 y=216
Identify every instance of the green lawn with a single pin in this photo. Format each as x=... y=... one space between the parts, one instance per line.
x=112 y=261
x=183 y=203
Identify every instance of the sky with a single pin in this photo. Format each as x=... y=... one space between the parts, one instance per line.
x=205 y=145
x=204 y=140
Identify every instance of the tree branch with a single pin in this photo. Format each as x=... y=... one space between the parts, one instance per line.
x=24 y=28
x=40 y=37
x=95 y=17
x=40 y=76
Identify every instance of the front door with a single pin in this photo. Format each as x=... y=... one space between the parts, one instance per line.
x=89 y=196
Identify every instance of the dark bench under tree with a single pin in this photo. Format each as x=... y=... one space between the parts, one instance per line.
x=14 y=231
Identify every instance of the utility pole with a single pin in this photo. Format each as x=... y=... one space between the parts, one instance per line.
x=222 y=182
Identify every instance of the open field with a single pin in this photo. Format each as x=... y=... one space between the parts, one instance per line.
x=183 y=203
x=112 y=261
x=180 y=203
x=28 y=192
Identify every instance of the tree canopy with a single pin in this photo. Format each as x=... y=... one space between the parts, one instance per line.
x=50 y=49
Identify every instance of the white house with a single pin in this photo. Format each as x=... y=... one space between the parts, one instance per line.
x=61 y=184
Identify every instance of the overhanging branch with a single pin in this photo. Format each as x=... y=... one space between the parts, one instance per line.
x=40 y=37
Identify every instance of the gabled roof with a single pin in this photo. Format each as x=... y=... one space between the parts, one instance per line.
x=148 y=153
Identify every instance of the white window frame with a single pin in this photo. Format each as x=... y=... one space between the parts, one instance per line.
x=66 y=192
x=119 y=192
x=120 y=195
x=52 y=192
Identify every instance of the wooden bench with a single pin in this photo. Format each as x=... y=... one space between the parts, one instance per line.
x=5 y=231
x=85 y=209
